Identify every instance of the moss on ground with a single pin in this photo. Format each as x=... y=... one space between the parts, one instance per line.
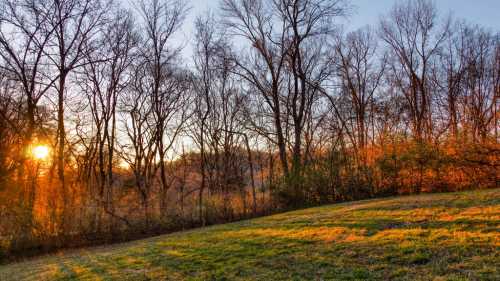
x=452 y=236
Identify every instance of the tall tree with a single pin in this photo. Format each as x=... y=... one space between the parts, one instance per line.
x=360 y=70
x=414 y=33
x=165 y=85
x=25 y=34
x=105 y=75
x=205 y=53
x=75 y=24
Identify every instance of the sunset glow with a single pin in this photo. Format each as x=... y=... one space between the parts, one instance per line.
x=40 y=152
x=249 y=140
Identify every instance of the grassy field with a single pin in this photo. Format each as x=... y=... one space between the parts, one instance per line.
x=452 y=236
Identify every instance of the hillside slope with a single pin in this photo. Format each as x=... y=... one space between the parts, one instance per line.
x=452 y=236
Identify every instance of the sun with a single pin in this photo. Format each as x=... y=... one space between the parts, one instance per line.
x=40 y=152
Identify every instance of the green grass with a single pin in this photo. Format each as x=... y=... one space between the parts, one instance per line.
x=452 y=236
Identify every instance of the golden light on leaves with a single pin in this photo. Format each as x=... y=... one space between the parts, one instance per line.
x=40 y=152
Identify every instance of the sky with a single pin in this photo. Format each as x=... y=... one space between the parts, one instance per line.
x=368 y=12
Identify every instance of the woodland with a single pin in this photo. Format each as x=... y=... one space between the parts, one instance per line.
x=108 y=132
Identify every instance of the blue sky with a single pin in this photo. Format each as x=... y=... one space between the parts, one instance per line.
x=367 y=12
x=483 y=12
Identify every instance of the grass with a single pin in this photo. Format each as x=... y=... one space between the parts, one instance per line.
x=452 y=236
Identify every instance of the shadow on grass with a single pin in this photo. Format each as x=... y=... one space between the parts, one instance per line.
x=279 y=254
x=412 y=238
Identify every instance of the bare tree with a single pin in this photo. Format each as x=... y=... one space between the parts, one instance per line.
x=139 y=149
x=75 y=24
x=414 y=34
x=282 y=64
x=448 y=79
x=25 y=32
x=480 y=81
x=264 y=65
x=166 y=85
x=206 y=49
x=104 y=78
x=360 y=70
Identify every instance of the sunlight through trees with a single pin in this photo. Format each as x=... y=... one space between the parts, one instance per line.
x=109 y=132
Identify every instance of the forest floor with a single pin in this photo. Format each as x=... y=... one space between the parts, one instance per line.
x=454 y=236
